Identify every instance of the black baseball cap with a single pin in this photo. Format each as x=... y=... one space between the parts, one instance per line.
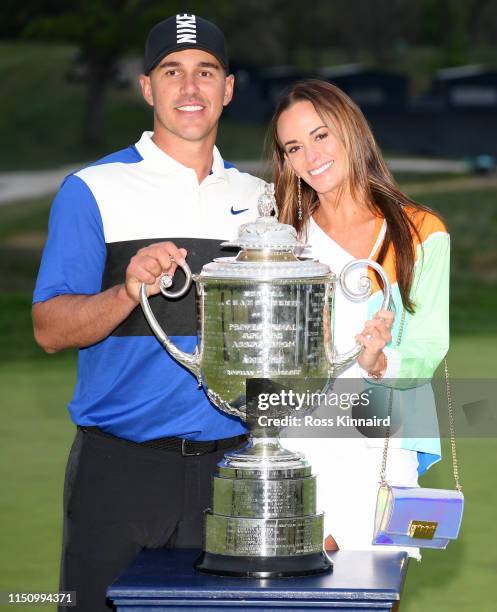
x=184 y=31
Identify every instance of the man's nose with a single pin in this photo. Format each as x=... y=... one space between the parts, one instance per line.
x=189 y=85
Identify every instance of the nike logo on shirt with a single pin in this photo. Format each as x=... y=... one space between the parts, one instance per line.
x=237 y=212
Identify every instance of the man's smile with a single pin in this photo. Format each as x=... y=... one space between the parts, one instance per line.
x=190 y=108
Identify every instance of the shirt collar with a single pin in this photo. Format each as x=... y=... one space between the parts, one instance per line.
x=163 y=162
x=380 y=229
x=218 y=169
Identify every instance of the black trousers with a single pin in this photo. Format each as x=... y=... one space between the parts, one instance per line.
x=121 y=497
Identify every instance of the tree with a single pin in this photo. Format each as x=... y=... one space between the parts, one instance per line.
x=103 y=31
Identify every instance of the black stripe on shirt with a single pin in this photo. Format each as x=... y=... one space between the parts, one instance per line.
x=176 y=317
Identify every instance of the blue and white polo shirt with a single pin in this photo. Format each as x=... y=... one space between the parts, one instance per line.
x=127 y=384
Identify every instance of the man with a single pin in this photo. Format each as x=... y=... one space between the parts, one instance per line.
x=148 y=439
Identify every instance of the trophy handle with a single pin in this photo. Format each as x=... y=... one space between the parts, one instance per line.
x=191 y=361
x=364 y=291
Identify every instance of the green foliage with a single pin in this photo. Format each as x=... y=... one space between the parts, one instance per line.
x=99 y=28
x=45 y=111
x=102 y=31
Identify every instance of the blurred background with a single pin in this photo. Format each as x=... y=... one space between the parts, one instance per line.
x=425 y=74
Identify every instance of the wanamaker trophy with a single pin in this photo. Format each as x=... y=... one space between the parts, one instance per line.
x=265 y=313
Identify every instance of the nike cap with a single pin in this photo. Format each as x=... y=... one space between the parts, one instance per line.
x=184 y=31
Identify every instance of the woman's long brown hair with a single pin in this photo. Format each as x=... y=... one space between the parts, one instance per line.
x=370 y=180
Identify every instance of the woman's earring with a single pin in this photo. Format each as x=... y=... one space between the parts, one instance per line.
x=299 y=199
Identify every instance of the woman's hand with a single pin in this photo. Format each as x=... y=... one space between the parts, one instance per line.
x=374 y=337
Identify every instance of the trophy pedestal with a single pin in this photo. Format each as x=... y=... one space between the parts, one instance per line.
x=263 y=521
x=163 y=579
x=263 y=567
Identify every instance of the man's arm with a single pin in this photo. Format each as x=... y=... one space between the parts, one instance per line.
x=68 y=321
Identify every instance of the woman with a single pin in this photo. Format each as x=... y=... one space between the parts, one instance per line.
x=333 y=185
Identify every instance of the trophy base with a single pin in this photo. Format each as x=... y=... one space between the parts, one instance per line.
x=263 y=567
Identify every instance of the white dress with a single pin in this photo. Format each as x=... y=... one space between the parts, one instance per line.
x=347 y=469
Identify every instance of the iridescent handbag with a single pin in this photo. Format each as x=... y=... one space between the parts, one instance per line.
x=417 y=516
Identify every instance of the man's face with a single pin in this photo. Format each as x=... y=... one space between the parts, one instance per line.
x=188 y=90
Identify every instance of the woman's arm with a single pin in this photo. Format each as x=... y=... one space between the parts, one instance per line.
x=425 y=335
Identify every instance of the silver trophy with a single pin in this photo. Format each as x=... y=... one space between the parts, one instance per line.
x=268 y=314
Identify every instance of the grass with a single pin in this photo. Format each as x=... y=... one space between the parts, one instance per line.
x=461 y=577
x=36 y=434
x=471 y=217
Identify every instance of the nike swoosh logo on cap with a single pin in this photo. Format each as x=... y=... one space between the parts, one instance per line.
x=237 y=212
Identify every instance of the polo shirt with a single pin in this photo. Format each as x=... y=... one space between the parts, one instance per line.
x=127 y=384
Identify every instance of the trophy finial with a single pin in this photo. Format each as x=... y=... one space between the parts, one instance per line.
x=267 y=202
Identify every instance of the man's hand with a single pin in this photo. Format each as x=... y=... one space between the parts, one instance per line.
x=149 y=264
x=82 y=320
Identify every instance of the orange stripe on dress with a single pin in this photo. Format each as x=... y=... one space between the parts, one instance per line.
x=426 y=223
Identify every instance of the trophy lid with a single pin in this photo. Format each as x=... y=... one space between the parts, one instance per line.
x=266 y=232
x=268 y=249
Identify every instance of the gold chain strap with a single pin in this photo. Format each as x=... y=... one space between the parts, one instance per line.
x=383 y=471
x=452 y=427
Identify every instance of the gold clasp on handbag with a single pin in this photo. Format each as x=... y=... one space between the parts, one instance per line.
x=424 y=530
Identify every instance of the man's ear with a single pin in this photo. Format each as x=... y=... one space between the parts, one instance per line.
x=146 y=87
x=228 y=89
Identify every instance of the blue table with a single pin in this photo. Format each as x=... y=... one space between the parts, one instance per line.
x=164 y=579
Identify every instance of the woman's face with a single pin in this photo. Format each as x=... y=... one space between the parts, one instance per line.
x=311 y=148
